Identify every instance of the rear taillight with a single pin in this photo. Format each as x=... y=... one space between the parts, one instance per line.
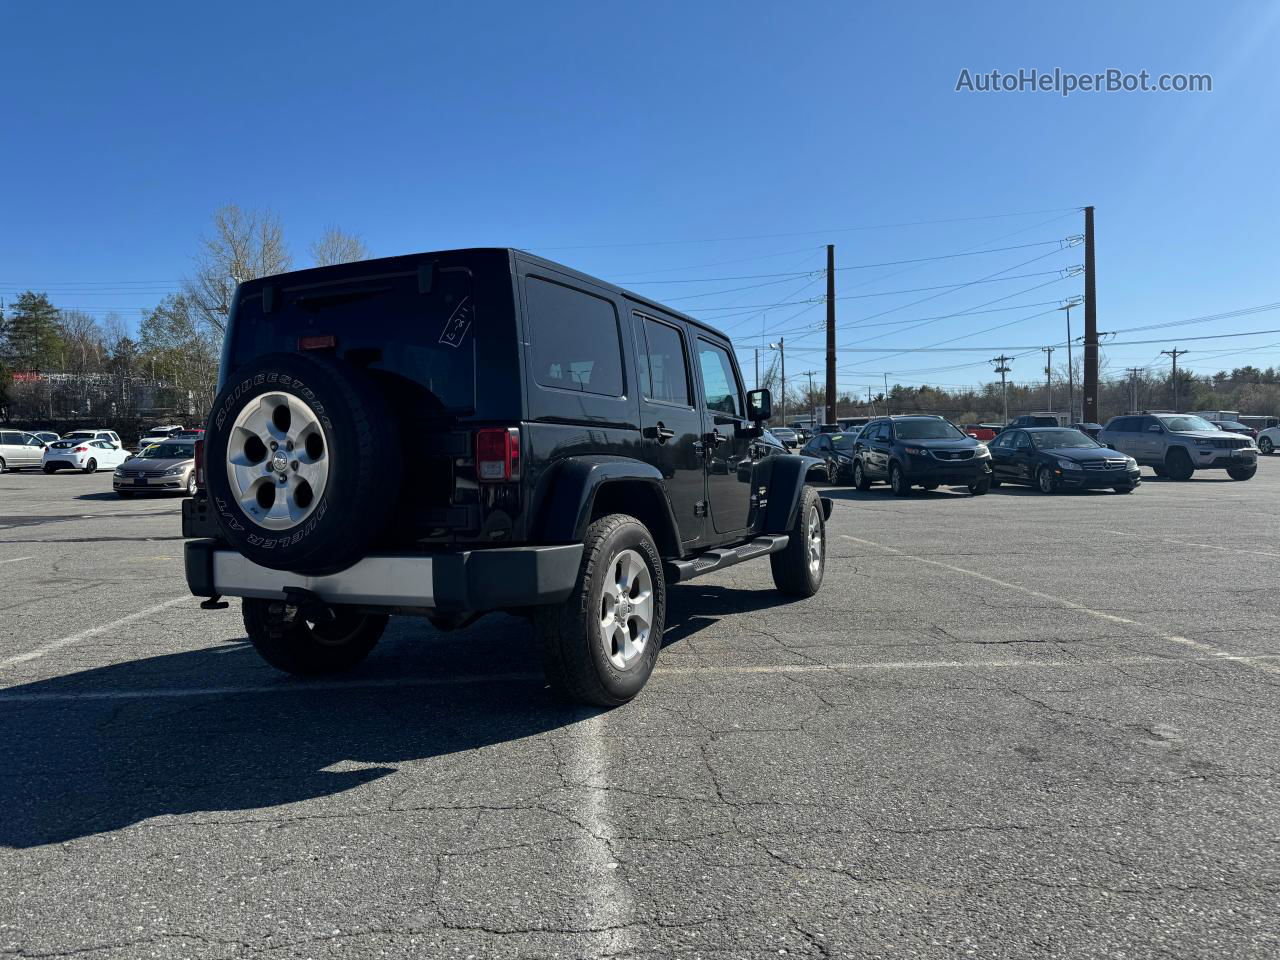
x=80 y=450
x=199 y=467
x=498 y=454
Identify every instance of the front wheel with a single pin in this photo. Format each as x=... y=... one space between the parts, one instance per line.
x=980 y=486
x=1178 y=465
x=798 y=567
x=1242 y=473
x=1125 y=488
x=860 y=478
x=1045 y=481
x=191 y=485
x=2 y=465
x=897 y=482
x=91 y=466
x=600 y=645
x=1266 y=446
x=124 y=494
x=1160 y=471
x=311 y=643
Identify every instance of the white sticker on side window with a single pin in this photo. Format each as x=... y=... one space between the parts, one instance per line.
x=455 y=329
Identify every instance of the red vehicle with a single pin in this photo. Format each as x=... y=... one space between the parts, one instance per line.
x=981 y=431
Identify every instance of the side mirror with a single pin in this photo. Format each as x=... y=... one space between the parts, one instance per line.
x=759 y=405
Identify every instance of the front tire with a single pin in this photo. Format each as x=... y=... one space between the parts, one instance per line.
x=798 y=567
x=600 y=645
x=897 y=482
x=980 y=486
x=91 y=466
x=288 y=641
x=124 y=494
x=1266 y=446
x=1178 y=465
x=1160 y=471
x=1242 y=473
x=2 y=465
x=1124 y=488
x=1045 y=481
x=860 y=479
x=191 y=485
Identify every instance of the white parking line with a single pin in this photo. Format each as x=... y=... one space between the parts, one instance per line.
x=1203 y=546
x=17 y=695
x=16 y=559
x=608 y=903
x=86 y=634
x=1214 y=652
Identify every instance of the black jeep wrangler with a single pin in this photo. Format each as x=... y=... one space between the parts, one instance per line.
x=451 y=433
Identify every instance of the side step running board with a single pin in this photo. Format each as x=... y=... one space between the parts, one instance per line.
x=677 y=571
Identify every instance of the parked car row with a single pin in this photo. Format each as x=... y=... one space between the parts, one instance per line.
x=163 y=465
x=929 y=451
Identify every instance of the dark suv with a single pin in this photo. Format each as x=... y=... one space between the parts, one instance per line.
x=471 y=430
x=926 y=450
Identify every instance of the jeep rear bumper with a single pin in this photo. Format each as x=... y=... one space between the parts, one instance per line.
x=464 y=580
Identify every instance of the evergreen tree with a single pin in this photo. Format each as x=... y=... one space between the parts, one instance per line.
x=32 y=338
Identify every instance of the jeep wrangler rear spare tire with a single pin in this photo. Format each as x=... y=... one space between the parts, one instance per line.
x=798 y=567
x=599 y=646
x=286 y=639
x=302 y=470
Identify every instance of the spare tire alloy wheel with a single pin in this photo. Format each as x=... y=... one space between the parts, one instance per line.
x=302 y=472
x=277 y=461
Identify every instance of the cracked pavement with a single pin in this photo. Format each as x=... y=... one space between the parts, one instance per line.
x=1008 y=726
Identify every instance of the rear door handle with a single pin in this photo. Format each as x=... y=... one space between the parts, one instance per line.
x=660 y=433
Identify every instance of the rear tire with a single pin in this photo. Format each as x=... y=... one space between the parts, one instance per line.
x=2 y=465
x=1160 y=471
x=589 y=654
x=897 y=482
x=1178 y=465
x=860 y=478
x=91 y=466
x=50 y=468
x=290 y=643
x=1242 y=473
x=799 y=566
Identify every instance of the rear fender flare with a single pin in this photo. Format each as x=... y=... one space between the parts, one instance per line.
x=573 y=484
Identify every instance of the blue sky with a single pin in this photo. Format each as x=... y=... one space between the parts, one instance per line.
x=588 y=132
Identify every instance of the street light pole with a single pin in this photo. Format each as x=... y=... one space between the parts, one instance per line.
x=781 y=347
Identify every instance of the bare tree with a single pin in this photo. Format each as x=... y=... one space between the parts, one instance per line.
x=83 y=339
x=335 y=246
x=244 y=245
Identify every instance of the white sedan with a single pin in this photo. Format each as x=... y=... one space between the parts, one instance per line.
x=86 y=455
x=1269 y=440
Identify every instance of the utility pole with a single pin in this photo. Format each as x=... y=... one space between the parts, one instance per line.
x=831 y=333
x=1175 y=353
x=781 y=347
x=757 y=368
x=1048 y=375
x=886 y=393
x=1133 y=388
x=1002 y=368
x=1090 y=410
x=1071 y=369
x=813 y=409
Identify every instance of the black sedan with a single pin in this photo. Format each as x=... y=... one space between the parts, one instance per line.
x=835 y=450
x=1060 y=458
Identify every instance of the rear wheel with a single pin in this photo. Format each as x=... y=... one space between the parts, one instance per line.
x=1178 y=464
x=897 y=482
x=91 y=466
x=286 y=638
x=2 y=465
x=1242 y=473
x=600 y=645
x=860 y=478
x=1160 y=471
x=798 y=567
x=1045 y=481
x=50 y=468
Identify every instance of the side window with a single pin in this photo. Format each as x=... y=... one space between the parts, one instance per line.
x=664 y=374
x=33 y=441
x=719 y=385
x=1022 y=441
x=573 y=339
x=8 y=438
x=998 y=442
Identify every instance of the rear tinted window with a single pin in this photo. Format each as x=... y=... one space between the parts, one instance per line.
x=664 y=375
x=573 y=339
x=1121 y=425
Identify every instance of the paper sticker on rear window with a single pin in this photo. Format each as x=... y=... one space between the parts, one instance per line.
x=459 y=322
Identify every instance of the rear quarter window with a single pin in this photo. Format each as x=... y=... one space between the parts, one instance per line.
x=574 y=340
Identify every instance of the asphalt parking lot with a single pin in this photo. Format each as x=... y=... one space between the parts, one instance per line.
x=1008 y=726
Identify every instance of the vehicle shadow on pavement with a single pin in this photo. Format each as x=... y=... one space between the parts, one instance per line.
x=216 y=730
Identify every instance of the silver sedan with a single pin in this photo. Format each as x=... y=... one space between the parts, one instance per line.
x=165 y=467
